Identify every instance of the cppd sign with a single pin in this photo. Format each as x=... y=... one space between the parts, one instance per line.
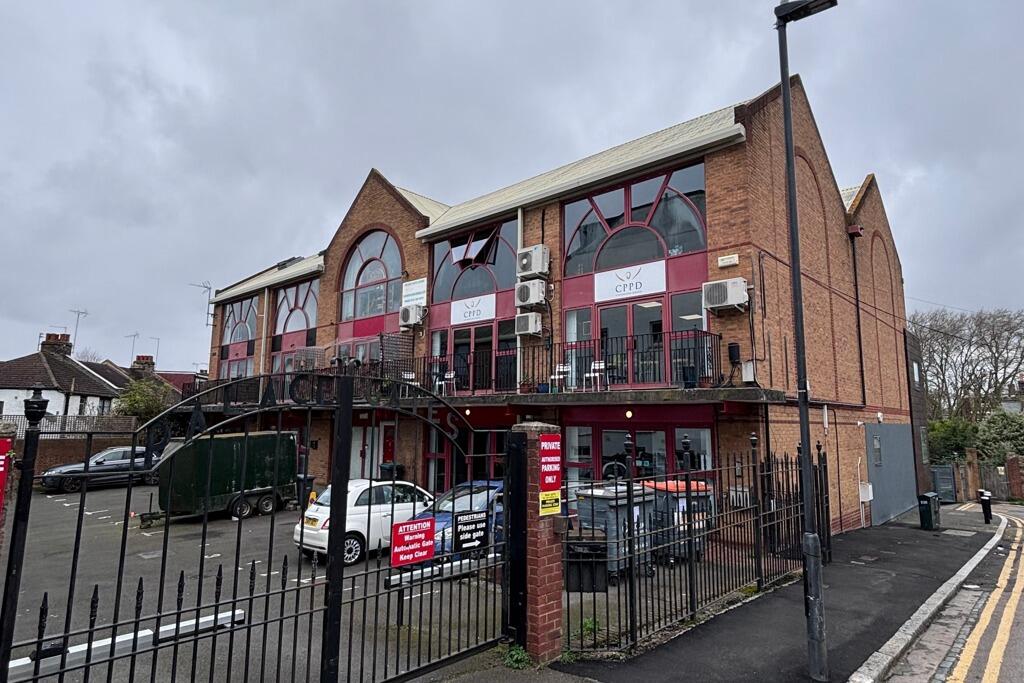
x=623 y=283
x=474 y=309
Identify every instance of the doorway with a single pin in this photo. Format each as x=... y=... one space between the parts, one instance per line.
x=632 y=343
x=651 y=456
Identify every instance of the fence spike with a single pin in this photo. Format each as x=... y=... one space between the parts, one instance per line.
x=94 y=605
x=252 y=577
x=44 y=610
x=139 y=592
x=219 y=583
x=181 y=589
x=284 y=572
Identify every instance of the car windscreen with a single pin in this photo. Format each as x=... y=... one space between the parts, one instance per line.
x=324 y=498
x=465 y=498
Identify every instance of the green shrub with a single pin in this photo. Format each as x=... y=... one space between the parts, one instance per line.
x=517 y=658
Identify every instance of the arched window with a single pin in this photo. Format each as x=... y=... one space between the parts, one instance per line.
x=239 y=321
x=372 y=281
x=646 y=220
x=481 y=262
x=296 y=307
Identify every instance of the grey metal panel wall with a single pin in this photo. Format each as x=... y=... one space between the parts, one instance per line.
x=892 y=475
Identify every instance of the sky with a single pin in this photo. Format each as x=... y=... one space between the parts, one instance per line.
x=147 y=146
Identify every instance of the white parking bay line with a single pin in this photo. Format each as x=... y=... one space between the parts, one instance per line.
x=96 y=512
x=104 y=517
x=151 y=533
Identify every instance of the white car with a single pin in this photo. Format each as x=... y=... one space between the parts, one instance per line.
x=373 y=506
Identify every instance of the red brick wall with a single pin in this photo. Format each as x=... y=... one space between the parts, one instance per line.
x=53 y=452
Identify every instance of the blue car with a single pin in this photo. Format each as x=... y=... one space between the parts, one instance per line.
x=477 y=496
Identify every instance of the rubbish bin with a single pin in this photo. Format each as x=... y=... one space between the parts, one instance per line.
x=606 y=507
x=670 y=519
x=928 y=507
x=586 y=562
x=391 y=470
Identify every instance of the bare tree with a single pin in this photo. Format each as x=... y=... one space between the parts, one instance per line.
x=87 y=355
x=971 y=360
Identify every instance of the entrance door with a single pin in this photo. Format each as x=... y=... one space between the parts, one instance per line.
x=632 y=342
x=472 y=351
x=650 y=455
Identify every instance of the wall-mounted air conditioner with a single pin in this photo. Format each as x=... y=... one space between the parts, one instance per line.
x=528 y=323
x=531 y=293
x=411 y=315
x=533 y=262
x=728 y=294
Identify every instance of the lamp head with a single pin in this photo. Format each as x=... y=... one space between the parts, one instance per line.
x=796 y=10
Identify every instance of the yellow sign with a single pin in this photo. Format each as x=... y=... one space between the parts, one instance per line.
x=550 y=502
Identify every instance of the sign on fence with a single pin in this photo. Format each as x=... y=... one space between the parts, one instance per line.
x=412 y=542
x=470 y=530
x=550 y=474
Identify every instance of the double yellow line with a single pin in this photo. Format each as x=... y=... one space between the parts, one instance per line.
x=964 y=507
x=994 y=663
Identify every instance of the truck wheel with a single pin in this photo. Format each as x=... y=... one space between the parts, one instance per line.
x=242 y=508
x=151 y=478
x=70 y=484
x=266 y=504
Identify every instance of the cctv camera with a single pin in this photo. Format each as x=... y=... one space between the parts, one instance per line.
x=880 y=418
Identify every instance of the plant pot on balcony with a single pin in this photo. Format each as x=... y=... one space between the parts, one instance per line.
x=526 y=388
x=706 y=383
x=542 y=387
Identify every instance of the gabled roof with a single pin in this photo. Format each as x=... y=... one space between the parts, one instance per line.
x=852 y=196
x=110 y=372
x=53 y=371
x=713 y=130
x=431 y=208
x=286 y=271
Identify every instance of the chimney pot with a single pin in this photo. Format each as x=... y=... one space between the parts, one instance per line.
x=56 y=343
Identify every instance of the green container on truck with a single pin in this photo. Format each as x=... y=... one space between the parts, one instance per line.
x=268 y=461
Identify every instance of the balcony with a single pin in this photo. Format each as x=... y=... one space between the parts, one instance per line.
x=689 y=359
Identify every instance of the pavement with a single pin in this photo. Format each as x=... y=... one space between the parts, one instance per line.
x=979 y=634
x=878 y=579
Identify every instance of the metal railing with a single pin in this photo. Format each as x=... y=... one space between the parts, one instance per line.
x=73 y=426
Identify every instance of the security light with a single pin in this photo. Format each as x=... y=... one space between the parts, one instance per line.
x=789 y=12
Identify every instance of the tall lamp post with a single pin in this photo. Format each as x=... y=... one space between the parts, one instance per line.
x=814 y=607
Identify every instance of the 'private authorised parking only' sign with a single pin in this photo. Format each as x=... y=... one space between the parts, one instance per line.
x=470 y=530
x=412 y=542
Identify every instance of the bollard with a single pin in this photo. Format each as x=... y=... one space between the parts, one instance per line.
x=986 y=506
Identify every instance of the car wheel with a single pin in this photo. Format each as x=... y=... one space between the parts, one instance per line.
x=242 y=508
x=266 y=504
x=353 y=550
x=70 y=484
x=151 y=478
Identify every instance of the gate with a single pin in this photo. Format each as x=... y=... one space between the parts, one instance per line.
x=194 y=551
x=944 y=482
x=645 y=554
x=993 y=479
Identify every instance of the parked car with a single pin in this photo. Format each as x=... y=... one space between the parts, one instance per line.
x=477 y=496
x=110 y=466
x=373 y=506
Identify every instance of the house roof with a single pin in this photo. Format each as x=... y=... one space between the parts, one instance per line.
x=852 y=196
x=716 y=129
x=110 y=372
x=294 y=268
x=431 y=208
x=53 y=371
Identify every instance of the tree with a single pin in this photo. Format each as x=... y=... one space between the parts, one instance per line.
x=948 y=439
x=1001 y=433
x=87 y=355
x=145 y=399
x=970 y=360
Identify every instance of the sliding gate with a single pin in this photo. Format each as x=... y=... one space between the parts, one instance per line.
x=186 y=550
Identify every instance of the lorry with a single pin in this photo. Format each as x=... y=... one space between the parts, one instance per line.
x=268 y=461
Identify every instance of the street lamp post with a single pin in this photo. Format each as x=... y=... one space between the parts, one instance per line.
x=814 y=606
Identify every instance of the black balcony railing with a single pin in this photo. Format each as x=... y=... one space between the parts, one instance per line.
x=688 y=360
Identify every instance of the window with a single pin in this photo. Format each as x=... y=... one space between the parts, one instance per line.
x=700 y=447
x=917 y=375
x=647 y=220
x=925 y=455
x=104 y=406
x=481 y=262
x=296 y=307
x=381 y=496
x=82 y=404
x=243 y=367
x=876 y=450
x=687 y=312
x=239 y=321
x=372 y=281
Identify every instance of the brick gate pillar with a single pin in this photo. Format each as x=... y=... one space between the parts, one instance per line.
x=973 y=473
x=543 y=585
x=1014 y=476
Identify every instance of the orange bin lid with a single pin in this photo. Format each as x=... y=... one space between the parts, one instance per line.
x=678 y=486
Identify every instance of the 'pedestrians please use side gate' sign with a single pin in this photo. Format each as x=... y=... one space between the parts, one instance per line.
x=550 y=474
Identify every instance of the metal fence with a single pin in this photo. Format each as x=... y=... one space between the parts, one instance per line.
x=643 y=554
x=74 y=426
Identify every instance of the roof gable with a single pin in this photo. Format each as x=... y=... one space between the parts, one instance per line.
x=53 y=371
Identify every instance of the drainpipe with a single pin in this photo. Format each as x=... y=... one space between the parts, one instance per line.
x=854 y=234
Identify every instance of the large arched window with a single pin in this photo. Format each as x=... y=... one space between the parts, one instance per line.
x=372 y=280
x=296 y=307
x=646 y=220
x=481 y=262
x=239 y=321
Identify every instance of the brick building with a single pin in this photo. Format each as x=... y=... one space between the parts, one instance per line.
x=623 y=342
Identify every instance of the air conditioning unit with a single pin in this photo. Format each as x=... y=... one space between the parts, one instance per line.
x=411 y=315
x=533 y=262
x=308 y=359
x=531 y=293
x=528 y=323
x=725 y=294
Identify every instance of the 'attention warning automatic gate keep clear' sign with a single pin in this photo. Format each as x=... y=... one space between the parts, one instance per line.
x=550 y=474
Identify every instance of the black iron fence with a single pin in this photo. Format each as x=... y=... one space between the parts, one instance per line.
x=643 y=554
